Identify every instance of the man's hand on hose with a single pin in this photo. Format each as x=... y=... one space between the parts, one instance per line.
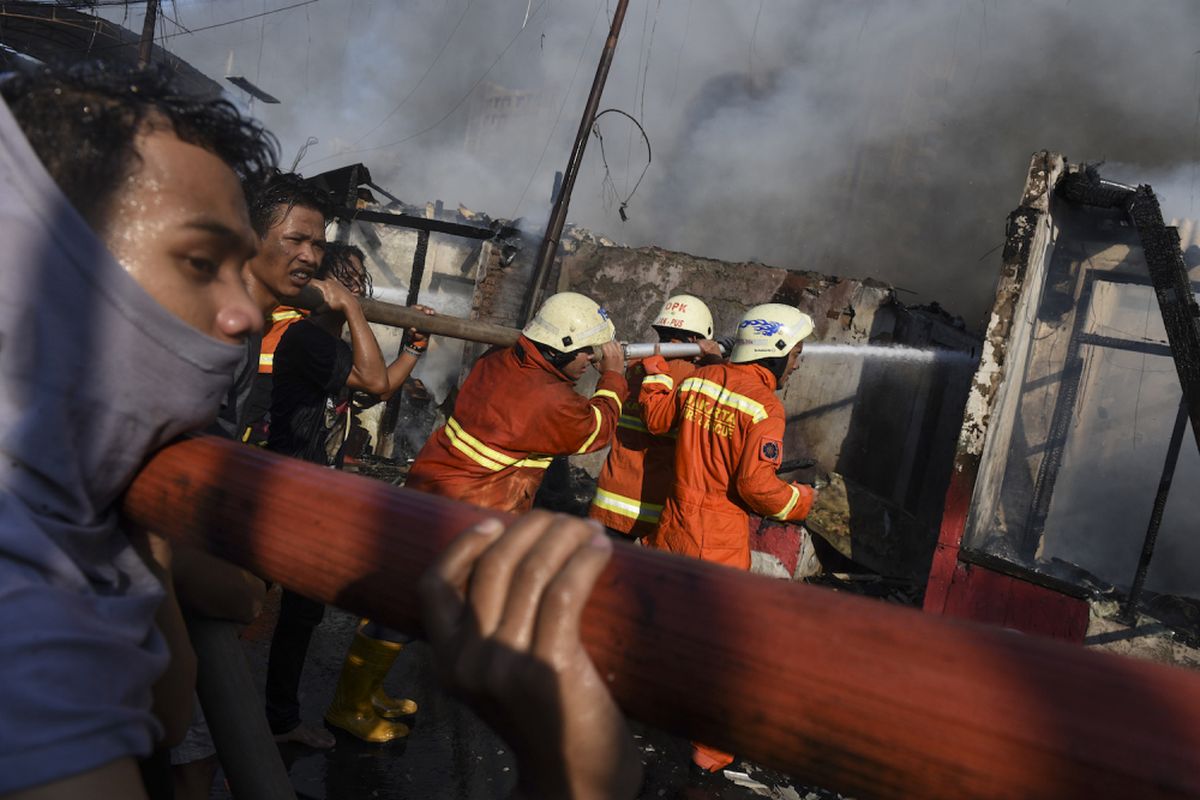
x=502 y=609
x=711 y=351
x=611 y=357
x=337 y=296
x=417 y=340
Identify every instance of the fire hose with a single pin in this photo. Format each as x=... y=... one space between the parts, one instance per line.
x=841 y=691
x=471 y=330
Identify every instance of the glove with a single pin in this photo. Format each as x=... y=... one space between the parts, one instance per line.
x=655 y=365
x=416 y=341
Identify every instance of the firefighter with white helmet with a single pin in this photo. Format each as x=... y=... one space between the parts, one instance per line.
x=770 y=331
x=518 y=409
x=640 y=468
x=685 y=313
x=568 y=321
x=729 y=425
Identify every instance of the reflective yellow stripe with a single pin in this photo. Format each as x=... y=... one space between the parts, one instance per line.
x=280 y=316
x=632 y=423
x=482 y=448
x=627 y=506
x=599 y=424
x=266 y=359
x=664 y=379
x=725 y=397
x=485 y=456
x=535 y=463
x=782 y=515
x=609 y=393
x=469 y=452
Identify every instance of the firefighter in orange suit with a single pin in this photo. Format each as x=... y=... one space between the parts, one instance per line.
x=730 y=441
x=640 y=468
x=518 y=409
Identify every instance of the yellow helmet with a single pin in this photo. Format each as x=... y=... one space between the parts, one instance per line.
x=769 y=331
x=685 y=312
x=568 y=321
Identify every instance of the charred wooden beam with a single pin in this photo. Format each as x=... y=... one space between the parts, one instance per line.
x=1176 y=298
x=424 y=224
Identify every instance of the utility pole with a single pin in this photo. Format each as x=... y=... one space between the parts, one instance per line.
x=147 y=42
x=558 y=214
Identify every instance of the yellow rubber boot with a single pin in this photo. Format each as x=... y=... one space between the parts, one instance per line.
x=387 y=706
x=390 y=707
x=353 y=709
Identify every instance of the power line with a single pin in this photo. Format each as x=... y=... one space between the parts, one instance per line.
x=753 y=36
x=687 y=26
x=421 y=80
x=222 y=24
x=561 y=106
x=637 y=78
x=243 y=19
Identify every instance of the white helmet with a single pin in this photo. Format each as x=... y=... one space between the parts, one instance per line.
x=769 y=331
x=684 y=312
x=568 y=321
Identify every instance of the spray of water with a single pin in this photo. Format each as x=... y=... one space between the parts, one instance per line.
x=911 y=355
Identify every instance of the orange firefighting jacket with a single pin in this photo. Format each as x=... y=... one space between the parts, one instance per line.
x=282 y=318
x=730 y=441
x=514 y=413
x=640 y=469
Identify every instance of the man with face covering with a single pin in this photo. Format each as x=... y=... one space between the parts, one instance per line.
x=122 y=316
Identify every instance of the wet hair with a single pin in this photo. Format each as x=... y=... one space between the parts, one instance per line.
x=666 y=334
x=276 y=193
x=82 y=120
x=338 y=263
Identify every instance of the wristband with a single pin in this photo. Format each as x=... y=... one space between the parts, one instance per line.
x=414 y=351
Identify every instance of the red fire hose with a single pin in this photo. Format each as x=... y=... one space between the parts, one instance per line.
x=841 y=691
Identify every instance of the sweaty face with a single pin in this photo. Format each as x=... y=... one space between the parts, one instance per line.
x=179 y=227
x=290 y=252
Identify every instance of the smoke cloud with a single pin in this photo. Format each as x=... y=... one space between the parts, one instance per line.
x=858 y=138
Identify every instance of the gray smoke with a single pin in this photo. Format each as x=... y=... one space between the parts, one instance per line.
x=857 y=137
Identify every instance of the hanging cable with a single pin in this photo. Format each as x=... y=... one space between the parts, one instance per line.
x=309 y=142
x=608 y=185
